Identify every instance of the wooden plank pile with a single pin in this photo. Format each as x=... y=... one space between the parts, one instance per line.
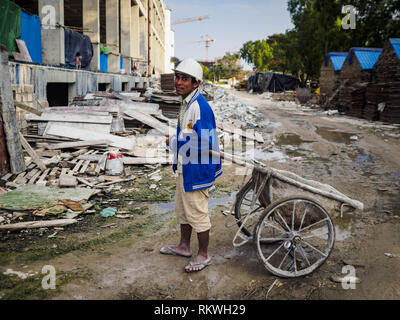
x=344 y=101
x=374 y=95
x=169 y=103
x=357 y=102
x=391 y=112
x=387 y=89
x=168 y=82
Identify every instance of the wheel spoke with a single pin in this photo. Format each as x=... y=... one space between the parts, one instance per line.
x=284 y=258
x=315 y=249
x=275 y=252
x=294 y=261
x=314 y=224
x=284 y=221
x=304 y=215
x=294 y=209
x=273 y=239
x=304 y=255
x=275 y=227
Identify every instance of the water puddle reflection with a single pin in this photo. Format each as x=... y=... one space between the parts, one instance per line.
x=334 y=136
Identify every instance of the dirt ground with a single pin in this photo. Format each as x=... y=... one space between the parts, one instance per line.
x=123 y=261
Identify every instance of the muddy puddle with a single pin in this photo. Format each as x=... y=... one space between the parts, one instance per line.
x=387 y=204
x=261 y=155
x=333 y=135
x=290 y=139
x=345 y=227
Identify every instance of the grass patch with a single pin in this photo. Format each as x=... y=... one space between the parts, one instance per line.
x=36 y=253
x=14 y=288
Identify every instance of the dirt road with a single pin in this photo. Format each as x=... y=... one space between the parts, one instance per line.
x=359 y=158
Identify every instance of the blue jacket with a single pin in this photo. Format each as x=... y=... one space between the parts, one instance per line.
x=193 y=141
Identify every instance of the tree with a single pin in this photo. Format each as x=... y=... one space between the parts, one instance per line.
x=258 y=53
x=226 y=67
x=318 y=30
x=206 y=73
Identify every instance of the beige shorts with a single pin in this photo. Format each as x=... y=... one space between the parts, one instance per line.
x=192 y=207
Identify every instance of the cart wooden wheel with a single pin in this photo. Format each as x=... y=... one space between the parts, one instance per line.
x=294 y=237
x=243 y=207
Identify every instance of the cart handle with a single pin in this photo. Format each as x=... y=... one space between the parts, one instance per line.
x=295 y=180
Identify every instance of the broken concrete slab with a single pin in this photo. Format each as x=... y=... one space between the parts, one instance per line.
x=67 y=181
x=81 y=134
x=150 y=121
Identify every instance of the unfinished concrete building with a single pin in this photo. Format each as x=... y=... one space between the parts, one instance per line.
x=124 y=45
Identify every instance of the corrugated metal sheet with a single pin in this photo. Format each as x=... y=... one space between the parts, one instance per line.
x=396 y=46
x=338 y=62
x=337 y=58
x=367 y=57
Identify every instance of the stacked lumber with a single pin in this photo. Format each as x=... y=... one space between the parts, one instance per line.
x=168 y=82
x=391 y=112
x=344 y=100
x=357 y=102
x=388 y=79
x=388 y=65
x=170 y=103
x=375 y=94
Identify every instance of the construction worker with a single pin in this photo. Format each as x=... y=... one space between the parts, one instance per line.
x=196 y=168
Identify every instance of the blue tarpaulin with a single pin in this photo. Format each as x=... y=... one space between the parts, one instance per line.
x=103 y=62
x=10 y=25
x=31 y=34
x=121 y=60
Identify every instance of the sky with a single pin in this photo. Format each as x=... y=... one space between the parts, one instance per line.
x=231 y=24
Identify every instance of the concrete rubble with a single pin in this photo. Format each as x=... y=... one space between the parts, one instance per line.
x=67 y=148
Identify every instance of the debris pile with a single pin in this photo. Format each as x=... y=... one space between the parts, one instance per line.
x=234 y=116
x=75 y=152
x=82 y=149
x=369 y=88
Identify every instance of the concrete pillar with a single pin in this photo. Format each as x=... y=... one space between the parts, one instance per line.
x=112 y=35
x=143 y=37
x=135 y=32
x=126 y=22
x=51 y=13
x=91 y=21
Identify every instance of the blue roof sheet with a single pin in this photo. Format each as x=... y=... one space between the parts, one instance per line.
x=338 y=62
x=367 y=57
x=396 y=46
x=337 y=58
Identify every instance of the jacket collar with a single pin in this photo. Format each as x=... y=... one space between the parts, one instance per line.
x=191 y=97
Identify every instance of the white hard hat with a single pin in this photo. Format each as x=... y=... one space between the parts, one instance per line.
x=192 y=68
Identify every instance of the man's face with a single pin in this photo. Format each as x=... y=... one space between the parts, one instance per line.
x=184 y=85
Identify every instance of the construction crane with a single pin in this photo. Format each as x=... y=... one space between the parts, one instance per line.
x=207 y=42
x=190 y=20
